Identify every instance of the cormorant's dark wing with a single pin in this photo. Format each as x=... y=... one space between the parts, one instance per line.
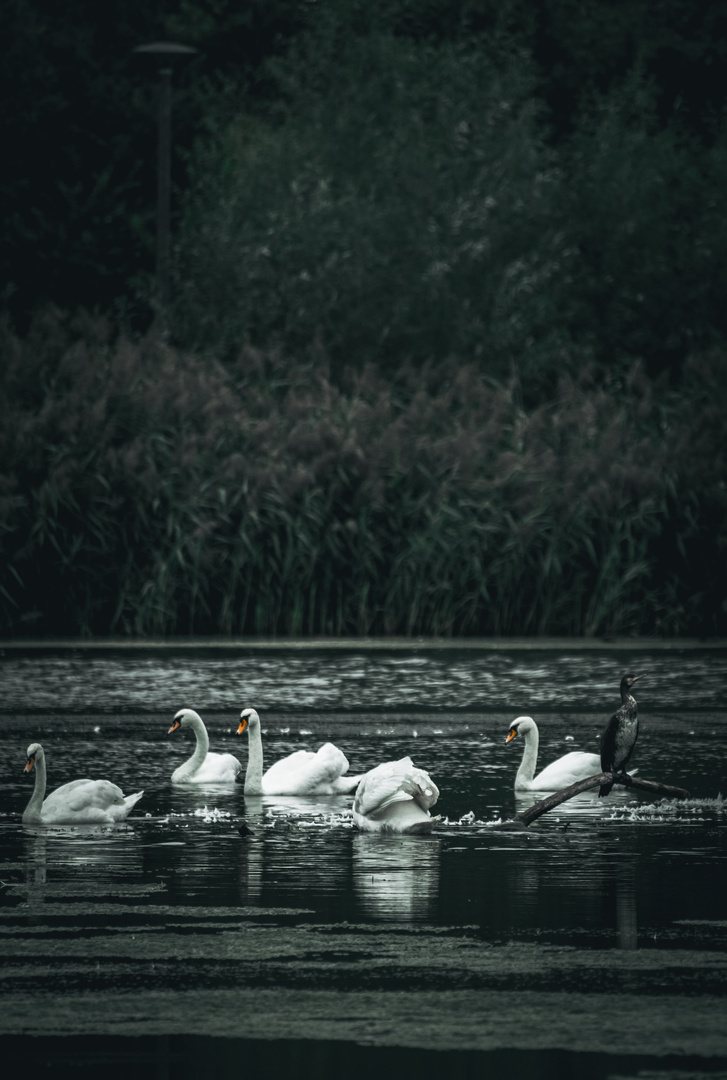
x=631 y=734
x=608 y=751
x=608 y=743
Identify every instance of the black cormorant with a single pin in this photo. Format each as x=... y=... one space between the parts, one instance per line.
x=619 y=738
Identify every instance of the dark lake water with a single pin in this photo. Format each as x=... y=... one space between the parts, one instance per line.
x=593 y=944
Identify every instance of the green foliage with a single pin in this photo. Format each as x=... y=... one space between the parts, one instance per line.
x=144 y=491
x=78 y=124
x=641 y=202
x=406 y=205
x=79 y=131
x=419 y=325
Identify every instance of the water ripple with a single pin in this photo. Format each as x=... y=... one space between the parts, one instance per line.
x=285 y=681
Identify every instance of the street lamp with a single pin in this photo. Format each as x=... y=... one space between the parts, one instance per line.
x=165 y=53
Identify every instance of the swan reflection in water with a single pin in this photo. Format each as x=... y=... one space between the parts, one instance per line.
x=626 y=923
x=250 y=873
x=594 y=881
x=51 y=851
x=266 y=811
x=293 y=849
x=396 y=877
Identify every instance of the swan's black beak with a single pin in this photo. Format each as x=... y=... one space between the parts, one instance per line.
x=242 y=727
x=175 y=727
x=29 y=764
x=511 y=736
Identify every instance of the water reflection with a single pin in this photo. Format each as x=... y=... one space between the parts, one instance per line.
x=51 y=852
x=308 y=679
x=396 y=877
x=36 y=869
x=303 y=811
x=250 y=872
x=587 y=804
x=626 y=905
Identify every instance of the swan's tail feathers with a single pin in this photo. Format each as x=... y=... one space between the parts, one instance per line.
x=392 y=783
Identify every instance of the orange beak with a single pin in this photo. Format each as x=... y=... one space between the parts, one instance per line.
x=29 y=764
x=242 y=727
x=511 y=736
x=175 y=727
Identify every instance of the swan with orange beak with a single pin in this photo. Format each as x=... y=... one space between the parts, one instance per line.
x=80 y=802
x=204 y=766
x=300 y=773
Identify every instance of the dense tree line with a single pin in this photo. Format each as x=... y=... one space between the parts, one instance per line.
x=78 y=126
x=409 y=205
x=78 y=116
x=447 y=347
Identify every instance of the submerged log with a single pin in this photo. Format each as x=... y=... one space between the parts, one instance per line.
x=543 y=805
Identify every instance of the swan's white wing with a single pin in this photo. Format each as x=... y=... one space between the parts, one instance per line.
x=422 y=788
x=81 y=795
x=567 y=770
x=305 y=772
x=392 y=782
x=216 y=769
x=88 y=802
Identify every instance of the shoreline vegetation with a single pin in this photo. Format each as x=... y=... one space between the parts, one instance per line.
x=366 y=644
x=446 y=355
x=147 y=494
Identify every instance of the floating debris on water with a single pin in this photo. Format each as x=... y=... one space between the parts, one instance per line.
x=467 y=820
x=325 y=821
x=692 y=810
x=201 y=812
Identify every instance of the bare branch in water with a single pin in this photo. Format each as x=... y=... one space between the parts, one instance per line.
x=525 y=817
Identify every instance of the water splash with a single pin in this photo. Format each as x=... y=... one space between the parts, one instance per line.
x=671 y=810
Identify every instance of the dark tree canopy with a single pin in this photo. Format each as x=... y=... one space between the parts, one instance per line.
x=78 y=124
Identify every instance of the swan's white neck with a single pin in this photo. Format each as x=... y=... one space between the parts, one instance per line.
x=530 y=754
x=33 y=809
x=254 y=773
x=203 y=744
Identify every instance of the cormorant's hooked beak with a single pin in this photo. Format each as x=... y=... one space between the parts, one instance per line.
x=29 y=764
x=511 y=736
x=175 y=726
x=633 y=680
x=242 y=726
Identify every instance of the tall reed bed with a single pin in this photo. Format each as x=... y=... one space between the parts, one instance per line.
x=147 y=491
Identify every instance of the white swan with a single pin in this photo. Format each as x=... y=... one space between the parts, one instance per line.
x=82 y=802
x=301 y=773
x=203 y=767
x=566 y=770
x=395 y=797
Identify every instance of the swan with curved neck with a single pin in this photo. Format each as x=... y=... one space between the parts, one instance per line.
x=566 y=770
x=395 y=797
x=301 y=773
x=81 y=802
x=204 y=766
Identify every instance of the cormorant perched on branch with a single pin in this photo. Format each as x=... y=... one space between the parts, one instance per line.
x=619 y=738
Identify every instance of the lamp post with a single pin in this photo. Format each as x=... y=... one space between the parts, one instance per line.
x=165 y=53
